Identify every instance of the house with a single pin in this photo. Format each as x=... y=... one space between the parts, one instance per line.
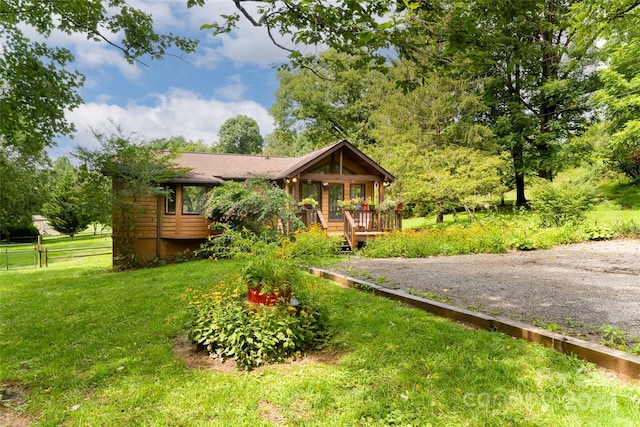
x=43 y=226
x=331 y=174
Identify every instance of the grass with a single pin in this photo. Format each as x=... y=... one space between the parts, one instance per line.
x=88 y=346
x=20 y=256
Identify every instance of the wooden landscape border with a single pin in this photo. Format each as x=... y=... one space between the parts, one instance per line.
x=609 y=358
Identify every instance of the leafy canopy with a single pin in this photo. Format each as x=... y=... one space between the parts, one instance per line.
x=67 y=211
x=36 y=80
x=240 y=135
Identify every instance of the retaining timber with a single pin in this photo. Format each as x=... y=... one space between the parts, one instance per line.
x=609 y=358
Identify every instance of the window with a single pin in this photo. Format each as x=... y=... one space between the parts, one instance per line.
x=333 y=167
x=170 y=200
x=313 y=191
x=357 y=190
x=336 y=194
x=193 y=197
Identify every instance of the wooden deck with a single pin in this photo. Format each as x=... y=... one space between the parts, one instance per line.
x=358 y=225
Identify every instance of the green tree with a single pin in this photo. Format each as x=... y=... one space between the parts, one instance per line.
x=442 y=159
x=520 y=54
x=95 y=191
x=177 y=144
x=330 y=103
x=287 y=144
x=66 y=210
x=23 y=188
x=533 y=78
x=240 y=135
x=37 y=83
x=136 y=170
x=617 y=22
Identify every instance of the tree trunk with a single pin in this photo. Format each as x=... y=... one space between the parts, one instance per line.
x=440 y=218
x=518 y=166
x=520 y=197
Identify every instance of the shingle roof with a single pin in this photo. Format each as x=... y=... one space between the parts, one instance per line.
x=220 y=167
x=215 y=168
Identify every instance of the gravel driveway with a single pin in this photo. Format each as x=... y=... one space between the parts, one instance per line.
x=577 y=288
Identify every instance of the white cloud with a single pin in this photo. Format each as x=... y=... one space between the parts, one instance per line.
x=234 y=90
x=177 y=112
x=245 y=46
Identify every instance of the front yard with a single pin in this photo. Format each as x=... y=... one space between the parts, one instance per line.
x=81 y=345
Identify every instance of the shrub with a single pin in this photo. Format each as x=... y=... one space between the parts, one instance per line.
x=560 y=204
x=474 y=238
x=26 y=234
x=312 y=244
x=271 y=274
x=233 y=243
x=229 y=328
x=256 y=205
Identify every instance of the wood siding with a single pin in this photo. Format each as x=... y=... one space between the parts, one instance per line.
x=181 y=226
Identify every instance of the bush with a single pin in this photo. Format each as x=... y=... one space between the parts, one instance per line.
x=255 y=205
x=228 y=327
x=312 y=244
x=439 y=240
x=26 y=234
x=233 y=243
x=560 y=204
x=307 y=245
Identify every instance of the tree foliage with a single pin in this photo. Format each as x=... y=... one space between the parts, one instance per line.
x=619 y=97
x=66 y=209
x=136 y=170
x=520 y=57
x=256 y=205
x=36 y=82
x=329 y=104
x=533 y=78
x=240 y=135
x=23 y=188
x=179 y=144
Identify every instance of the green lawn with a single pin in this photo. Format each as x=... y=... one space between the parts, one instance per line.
x=23 y=256
x=87 y=346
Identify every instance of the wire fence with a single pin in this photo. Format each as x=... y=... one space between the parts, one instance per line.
x=22 y=256
x=18 y=256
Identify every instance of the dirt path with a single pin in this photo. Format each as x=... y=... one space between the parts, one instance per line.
x=577 y=288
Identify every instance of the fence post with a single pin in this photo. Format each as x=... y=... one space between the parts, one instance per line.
x=46 y=258
x=6 y=256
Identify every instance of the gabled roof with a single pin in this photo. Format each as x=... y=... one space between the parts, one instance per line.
x=214 y=168
x=308 y=160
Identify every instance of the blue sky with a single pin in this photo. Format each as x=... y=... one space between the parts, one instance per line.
x=192 y=96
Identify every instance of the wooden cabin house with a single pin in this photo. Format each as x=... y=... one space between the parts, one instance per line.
x=169 y=225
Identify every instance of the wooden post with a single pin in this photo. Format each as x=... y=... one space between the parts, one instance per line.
x=39 y=249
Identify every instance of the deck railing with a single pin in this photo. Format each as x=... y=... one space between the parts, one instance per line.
x=360 y=224
x=310 y=217
x=376 y=220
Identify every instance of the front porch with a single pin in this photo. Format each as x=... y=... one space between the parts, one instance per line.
x=359 y=225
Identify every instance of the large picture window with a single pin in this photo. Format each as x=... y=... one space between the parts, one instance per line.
x=193 y=197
